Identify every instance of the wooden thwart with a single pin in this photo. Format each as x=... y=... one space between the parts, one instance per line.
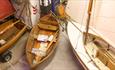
x=47 y=27
x=8 y=27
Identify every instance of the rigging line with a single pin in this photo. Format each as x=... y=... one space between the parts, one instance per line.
x=103 y=16
x=81 y=24
x=93 y=12
x=59 y=21
x=84 y=47
x=84 y=55
x=105 y=30
x=70 y=19
x=94 y=21
x=91 y=59
x=95 y=26
x=75 y=25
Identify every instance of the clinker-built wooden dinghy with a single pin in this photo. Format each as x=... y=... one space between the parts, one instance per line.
x=11 y=29
x=42 y=40
x=9 y=32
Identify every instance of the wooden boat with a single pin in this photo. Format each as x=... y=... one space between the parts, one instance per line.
x=11 y=29
x=9 y=32
x=93 y=49
x=97 y=54
x=98 y=48
x=42 y=40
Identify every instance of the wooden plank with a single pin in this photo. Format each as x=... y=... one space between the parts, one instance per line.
x=6 y=27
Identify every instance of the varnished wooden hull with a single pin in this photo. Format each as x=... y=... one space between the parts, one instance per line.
x=34 y=43
x=10 y=33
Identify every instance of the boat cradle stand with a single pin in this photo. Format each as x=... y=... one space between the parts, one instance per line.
x=6 y=56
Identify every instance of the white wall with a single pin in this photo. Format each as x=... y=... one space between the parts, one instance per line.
x=102 y=18
x=77 y=9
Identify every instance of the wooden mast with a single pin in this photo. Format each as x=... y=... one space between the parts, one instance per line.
x=88 y=19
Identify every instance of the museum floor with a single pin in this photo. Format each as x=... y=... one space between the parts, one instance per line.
x=62 y=59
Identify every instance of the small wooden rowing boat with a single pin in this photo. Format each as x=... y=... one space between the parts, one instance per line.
x=10 y=32
x=42 y=40
x=11 y=29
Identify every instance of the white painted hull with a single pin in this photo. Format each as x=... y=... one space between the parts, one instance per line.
x=100 y=26
x=76 y=40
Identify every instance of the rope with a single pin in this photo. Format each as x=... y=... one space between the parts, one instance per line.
x=70 y=19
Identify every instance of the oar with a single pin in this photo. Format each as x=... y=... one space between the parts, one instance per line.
x=8 y=27
x=55 y=35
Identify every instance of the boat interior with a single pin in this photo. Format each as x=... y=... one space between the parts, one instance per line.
x=9 y=30
x=100 y=49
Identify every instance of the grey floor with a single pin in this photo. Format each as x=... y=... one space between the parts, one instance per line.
x=62 y=59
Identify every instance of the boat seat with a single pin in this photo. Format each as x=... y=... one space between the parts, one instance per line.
x=47 y=27
x=49 y=20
